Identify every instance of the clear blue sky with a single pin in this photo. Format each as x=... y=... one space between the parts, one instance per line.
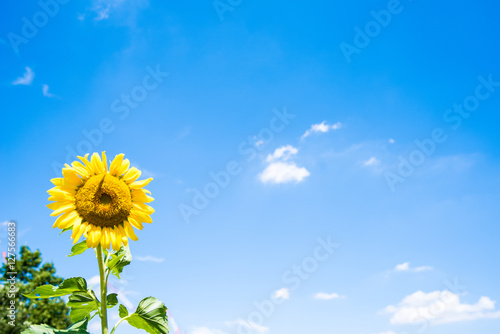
x=390 y=147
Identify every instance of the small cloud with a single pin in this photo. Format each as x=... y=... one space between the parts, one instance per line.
x=281 y=172
x=439 y=307
x=45 y=90
x=388 y=332
x=328 y=296
x=280 y=169
x=371 y=162
x=149 y=258
x=282 y=293
x=247 y=324
x=94 y=280
x=26 y=79
x=283 y=153
x=322 y=128
x=402 y=267
x=406 y=267
x=391 y=141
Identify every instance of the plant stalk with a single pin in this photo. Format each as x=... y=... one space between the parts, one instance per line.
x=104 y=288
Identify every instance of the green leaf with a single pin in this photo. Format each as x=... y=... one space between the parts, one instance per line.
x=66 y=229
x=119 y=260
x=79 y=248
x=80 y=325
x=81 y=304
x=111 y=300
x=151 y=315
x=45 y=329
x=122 y=311
x=67 y=287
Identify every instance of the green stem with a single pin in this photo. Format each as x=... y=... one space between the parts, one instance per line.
x=119 y=322
x=104 y=288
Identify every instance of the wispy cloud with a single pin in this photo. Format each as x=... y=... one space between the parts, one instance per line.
x=328 y=296
x=322 y=127
x=45 y=91
x=406 y=267
x=439 y=307
x=282 y=293
x=283 y=153
x=26 y=79
x=149 y=258
x=371 y=162
x=280 y=169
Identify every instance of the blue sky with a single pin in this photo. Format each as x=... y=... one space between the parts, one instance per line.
x=355 y=146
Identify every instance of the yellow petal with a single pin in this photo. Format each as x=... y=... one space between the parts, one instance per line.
x=129 y=230
x=140 y=184
x=115 y=164
x=97 y=164
x=80 y=230
x=64 y=208
x=135 y=223
x=69 y=220
x=123 y=167
x=88 y=165
x=57 y=181
x=116 y=240
x=76 y=225
x=58 y=204
x=131 y=175
x=71 y=176
x=140 y=216
x=143 y=207
x=104 y=161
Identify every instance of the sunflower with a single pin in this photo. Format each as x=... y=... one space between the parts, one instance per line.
x=99 y=204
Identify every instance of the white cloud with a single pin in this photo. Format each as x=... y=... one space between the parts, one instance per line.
x=328 y=296
x=439 y=307
x=149 y=258
x=282 y=293
x=281 y=172
x=280 y=169
x=322 y=127
x=45 y=90
x=251 y=325
x=94 y=280
x=391 y=141
x=406 y=267
x=283 y=153
x=26 y=79
x=206 y=330
x=371 y=162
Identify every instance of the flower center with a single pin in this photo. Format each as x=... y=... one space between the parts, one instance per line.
x=103 y=200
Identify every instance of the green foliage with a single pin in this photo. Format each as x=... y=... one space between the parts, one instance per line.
x=31 y=273
x=77 y=328
x=119 y=260
x=150 y=315
x=79 y=248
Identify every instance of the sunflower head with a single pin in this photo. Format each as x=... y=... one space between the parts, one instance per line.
x=102 y=205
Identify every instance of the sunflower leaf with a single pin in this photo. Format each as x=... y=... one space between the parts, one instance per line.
x=68 y=286
x=79 y=248
x=119 y=260
x=77 y=328
x=151 y=316
x=111 y=300
x=122 y=311
x=81 y=304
